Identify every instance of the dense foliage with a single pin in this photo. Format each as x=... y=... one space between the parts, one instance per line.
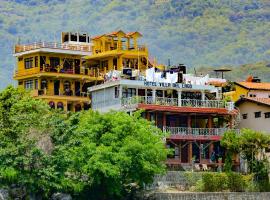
x=194 y=32
x=251 y=145
x=87 y=154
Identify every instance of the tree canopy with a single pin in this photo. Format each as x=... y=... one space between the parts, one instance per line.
x=84 y=154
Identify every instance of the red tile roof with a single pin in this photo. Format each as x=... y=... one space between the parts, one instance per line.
x=254 y=86
x=265 y=101
x=177 y=109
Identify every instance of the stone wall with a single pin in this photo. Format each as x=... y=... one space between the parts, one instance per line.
x=212 y=196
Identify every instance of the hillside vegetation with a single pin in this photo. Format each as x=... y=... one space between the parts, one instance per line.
x=197 y=33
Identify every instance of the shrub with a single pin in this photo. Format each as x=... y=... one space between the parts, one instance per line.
x=213 y=182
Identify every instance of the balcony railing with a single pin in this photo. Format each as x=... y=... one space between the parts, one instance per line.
x=131 y=101
x=185 y=131
x=70 y=93
x=92 y=72
x=52 y=45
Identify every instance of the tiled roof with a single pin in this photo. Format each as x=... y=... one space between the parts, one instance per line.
x=254 y=86
x=177 y=109
x=265 y=101
x=97 y=37
x=132 y=33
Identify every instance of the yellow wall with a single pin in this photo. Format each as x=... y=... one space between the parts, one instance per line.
x=25 y=75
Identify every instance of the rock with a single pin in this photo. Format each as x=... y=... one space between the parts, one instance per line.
x=4 y=195
x=61 y=196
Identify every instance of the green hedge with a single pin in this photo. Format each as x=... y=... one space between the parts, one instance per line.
x=218 y=182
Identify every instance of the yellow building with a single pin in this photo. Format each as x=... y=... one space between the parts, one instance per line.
x=56 y=72
x=249 y=88
x=117 y=51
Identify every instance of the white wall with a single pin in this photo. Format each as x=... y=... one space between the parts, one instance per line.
x=259 y=124
x=259 y=94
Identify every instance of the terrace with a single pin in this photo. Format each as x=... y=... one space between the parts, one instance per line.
x=131 y=102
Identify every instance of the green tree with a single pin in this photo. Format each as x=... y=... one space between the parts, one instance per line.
x=111 y=154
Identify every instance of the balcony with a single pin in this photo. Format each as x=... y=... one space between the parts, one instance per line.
x=185 y=131
x=132 y=102
x=70 y=96
x=52 y=45
x=71 y=72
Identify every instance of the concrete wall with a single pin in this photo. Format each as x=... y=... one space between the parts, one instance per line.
x=259 y=124
x=213 y=196
x=259 y=94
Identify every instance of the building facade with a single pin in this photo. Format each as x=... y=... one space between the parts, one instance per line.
x=255 y=113
x=195 y=122
x=56 y=72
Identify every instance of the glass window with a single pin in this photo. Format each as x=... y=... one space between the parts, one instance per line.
x=36 y=84
x=245 y=116
x=257 y=114
x=129 y=92
x=54 y=61
x=36 y=61
x=28 y=63
x=267 y=115
x=29 y=84
x=116 y=92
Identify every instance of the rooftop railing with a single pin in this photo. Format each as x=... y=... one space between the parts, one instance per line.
x=52 y=45
x=195 y=103
x=185 y=131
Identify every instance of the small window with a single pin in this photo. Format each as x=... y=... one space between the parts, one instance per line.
x=267 y=115
x=258 y=114
x=245 y=116
x=116 y=92
x=54 y=61
x=252 y=95
x=20 y=58
x=29 y=84
x=36 y=84
x=36 y=61
x=28 y=63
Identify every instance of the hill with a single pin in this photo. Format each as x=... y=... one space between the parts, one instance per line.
x=195 y=32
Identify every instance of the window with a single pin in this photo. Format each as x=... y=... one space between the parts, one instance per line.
x=28 y=63
x=245 y=116
x=29 y=84
x=36 y=61
x=20 y=58
x=36 y=84
x=258 y=114
x=54 y=61
x=252 y=95
x=129 y=92
x=267 y=115
x=116 y=92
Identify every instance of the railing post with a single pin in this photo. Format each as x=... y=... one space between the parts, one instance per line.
x=179 y=98
x=154 y=96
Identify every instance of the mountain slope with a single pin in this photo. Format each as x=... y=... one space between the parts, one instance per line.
x=194 y=32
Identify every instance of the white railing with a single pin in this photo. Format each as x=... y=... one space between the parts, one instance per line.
x=176 y=102
x=52 y=45
x=197 y=131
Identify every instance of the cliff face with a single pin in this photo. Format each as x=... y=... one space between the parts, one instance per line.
x=197 y=33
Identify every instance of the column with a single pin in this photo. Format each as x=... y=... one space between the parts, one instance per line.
x=210 y=121
x=61 y=87
x=211 y=149
x=203 y=95
x=189 y=123
x=180 y=151
x=179 y=98
x=164 y=122
x=154 y=95
x=147 y=115
x=190 y=152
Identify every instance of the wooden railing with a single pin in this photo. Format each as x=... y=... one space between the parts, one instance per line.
x=131 y=101
x=52 y=45
x=197 y=131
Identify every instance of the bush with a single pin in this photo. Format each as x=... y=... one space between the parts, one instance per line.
x=214 y=182
x=238 y=182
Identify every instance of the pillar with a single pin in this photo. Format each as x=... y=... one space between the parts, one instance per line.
x=210 y=121
x=147 y=115
x=154 y=95
x=61 y=87
x=190 y=152
x=189 y=122
x=164 y=122
x=203 y=95
x=179 y=98
x=211 y=149
x=180 y=151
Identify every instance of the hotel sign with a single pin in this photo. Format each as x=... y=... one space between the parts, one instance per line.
x=175 y=85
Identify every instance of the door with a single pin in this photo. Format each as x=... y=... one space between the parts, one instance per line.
x=56 y=87
x=77 y=88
